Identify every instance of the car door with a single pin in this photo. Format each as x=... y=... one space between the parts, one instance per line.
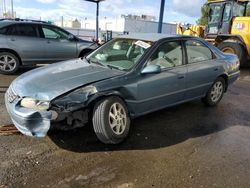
x=202 y=68
x=59 y=45
x=24 y=39
x=156 y=91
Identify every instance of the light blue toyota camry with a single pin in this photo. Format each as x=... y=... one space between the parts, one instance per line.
x=127 y=77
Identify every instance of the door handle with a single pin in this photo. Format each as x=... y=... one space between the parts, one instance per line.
x=12 y=39
x=181 y=77
x=216 y=69
x=48 y=42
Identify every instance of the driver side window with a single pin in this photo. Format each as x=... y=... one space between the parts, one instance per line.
x=168 y=54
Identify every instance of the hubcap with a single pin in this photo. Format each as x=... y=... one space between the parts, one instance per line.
x=217 y=91
x=117 y=118
x=7 y=63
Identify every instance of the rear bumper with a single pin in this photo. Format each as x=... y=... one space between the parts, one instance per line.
x=27 y=121
x=233 y=77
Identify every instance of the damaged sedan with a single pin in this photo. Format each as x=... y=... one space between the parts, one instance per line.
x=127 y=77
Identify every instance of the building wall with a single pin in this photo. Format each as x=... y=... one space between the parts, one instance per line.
x=121 y=24
x=135 y=26
x=69 y=24
x=114 y=24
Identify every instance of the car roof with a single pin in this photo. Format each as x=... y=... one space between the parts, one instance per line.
x=5 y=22
x=153 y=37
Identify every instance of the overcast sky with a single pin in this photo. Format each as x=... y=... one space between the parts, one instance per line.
x=175 y=10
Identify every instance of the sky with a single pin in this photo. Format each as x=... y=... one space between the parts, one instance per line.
x=187 y=11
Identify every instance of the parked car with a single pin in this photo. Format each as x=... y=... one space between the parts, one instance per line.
x=127 y=77
x=29 y=42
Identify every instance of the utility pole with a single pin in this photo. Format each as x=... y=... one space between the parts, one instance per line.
x=97 y=16
x=97 y=21
x=161 y=16
x=4 y=9
x=62 y=21
x=12 y=9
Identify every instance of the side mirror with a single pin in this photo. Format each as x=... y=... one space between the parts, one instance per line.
x=151 y=69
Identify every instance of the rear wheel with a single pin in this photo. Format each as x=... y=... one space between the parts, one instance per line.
x=9 y=63
x=234 y=48
x=111 y=121
x=215 y=93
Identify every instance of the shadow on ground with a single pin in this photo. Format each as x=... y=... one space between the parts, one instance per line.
x=160 y=129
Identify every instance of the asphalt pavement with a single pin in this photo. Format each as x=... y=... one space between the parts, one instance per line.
x=189 y=145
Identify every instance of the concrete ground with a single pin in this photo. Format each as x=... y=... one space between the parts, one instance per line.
x=189 y=145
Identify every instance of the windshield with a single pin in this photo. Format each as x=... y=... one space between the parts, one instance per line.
x=238 y=10
x=215 y=13
x=122 y=54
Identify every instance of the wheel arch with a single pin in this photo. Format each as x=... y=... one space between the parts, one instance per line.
x=98 y=97
x=85 y=51
x=225 y=77
x=12 y=51
x=231 y=38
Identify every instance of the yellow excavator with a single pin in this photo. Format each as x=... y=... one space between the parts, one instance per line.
x=228 y=28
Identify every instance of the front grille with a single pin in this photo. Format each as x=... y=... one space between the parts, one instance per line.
x=11 y=95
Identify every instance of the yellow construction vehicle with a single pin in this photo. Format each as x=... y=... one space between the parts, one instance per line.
x=228 y=27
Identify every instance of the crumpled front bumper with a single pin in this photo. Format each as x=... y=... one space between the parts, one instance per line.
x=27 y=121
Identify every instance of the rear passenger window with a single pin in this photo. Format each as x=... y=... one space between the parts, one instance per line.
x=27 y=30
x=168 y=55
x=197 y=52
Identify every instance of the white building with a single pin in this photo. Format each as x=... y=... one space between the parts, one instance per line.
x=68 y=23
x=118 y=25
x=130 y=23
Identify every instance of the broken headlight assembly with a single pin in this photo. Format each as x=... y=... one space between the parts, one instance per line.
x=35 y=104
x=90 y=90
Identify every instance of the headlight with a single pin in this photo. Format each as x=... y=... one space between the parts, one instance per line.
x=90 y=90
x=35 y=104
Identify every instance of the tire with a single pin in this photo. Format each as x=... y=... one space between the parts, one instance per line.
x=9 y=63
x=213 y=96
x=102 y=120
x=234 y=48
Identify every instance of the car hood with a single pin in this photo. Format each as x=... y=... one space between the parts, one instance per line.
x=49 y=82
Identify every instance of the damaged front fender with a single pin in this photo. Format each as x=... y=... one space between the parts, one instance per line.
x=75 y=100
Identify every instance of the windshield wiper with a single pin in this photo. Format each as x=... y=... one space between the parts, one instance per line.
x=108 y=65
x=115 y=67
x=97 y=62
x=94 y=62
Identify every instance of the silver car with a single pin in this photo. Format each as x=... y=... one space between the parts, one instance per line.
x=29 y=42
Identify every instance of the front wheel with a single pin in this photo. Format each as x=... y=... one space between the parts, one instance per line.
x=111 y=121
x=215 y=93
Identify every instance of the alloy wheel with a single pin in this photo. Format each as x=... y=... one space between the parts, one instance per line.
x=217 y=91
x=117 y=118
x=7 y=63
